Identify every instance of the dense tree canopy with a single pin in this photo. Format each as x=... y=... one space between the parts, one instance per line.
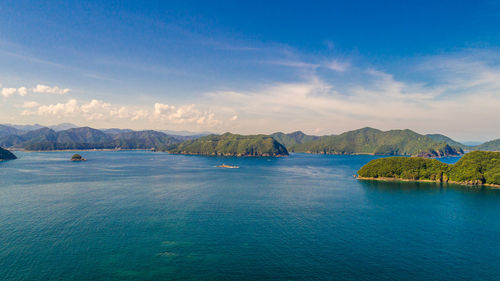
x=477 y=167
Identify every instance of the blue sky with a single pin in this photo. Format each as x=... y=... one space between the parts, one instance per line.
x=253 y=67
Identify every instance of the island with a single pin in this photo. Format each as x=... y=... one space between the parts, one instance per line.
x=77 y=157
x=229 y=145
x=6 y=155
x=474 y=168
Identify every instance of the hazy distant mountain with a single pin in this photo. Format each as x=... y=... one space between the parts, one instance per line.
x=25 y=127
x=42 y=135
x=185 y=133
x=57 y=128
x=472 y=143
x=8 y=130
x=114 y=131
x=87 y=138
x=493 y=145
x=63 y=126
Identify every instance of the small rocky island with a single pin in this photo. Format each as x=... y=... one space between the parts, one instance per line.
x=77 y=157
x=474 y=168
x=6 y=155
x=229 y=145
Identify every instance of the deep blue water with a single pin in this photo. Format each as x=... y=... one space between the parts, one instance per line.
x=152 y=216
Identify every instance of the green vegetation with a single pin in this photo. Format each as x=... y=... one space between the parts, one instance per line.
x=230 y=145
x=373 y=141
x=143 y=140
x=87 y=138
x=449 y=141
x=6 y=155
x=493 y=145
x=477 y=167
x=290 y=141
x=77 y=157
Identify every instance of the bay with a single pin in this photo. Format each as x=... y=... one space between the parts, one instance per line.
x=139 y=215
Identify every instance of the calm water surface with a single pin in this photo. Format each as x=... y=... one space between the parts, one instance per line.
x=153 y=216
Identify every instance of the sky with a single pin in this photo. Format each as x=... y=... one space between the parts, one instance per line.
x=322 y=67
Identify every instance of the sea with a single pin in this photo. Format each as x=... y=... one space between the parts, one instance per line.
x=141 y=215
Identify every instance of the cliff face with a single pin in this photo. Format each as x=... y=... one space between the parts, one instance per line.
x=6 y=155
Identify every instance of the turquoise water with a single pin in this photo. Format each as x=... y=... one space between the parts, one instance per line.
x=152 y=216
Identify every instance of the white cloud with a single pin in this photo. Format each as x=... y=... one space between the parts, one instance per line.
x=96 y=110
x=7 y=92
x=44 y=89
x=183 y=114
x=22 y=91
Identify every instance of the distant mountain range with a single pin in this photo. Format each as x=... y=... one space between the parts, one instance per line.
x=361 y=141
x=87 y=138
x=59 y=127
x=370 y=141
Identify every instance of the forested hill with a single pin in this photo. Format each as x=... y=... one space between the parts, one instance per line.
x=230 y=145
x=448 y=140
x=291 y=140
x=493 y=145
x=373 y=141
x=477 y=167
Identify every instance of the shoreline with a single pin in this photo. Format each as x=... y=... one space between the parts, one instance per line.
x=223 y=155
x=431 y=181
x=72 y=150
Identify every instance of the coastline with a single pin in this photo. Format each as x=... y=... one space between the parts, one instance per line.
x=225 y=155
x=434 y=181
x=72 y=150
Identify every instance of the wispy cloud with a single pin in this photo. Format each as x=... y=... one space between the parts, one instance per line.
x=460 y=104
x=337 y=65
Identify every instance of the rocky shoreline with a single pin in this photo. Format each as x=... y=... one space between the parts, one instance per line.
x=471 y=183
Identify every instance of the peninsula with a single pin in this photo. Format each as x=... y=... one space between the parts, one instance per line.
x=229 y=145
x=370 y=141
x=474 y=168
x=6 y=155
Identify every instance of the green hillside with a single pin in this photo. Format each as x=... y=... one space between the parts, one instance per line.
x=87 y=138
x=373 y=141
x=143 y=140
x=230 y=145
x=291 y=140
x=478 y=167
x=448 y=140
x=6 y=155
x=493 y=145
